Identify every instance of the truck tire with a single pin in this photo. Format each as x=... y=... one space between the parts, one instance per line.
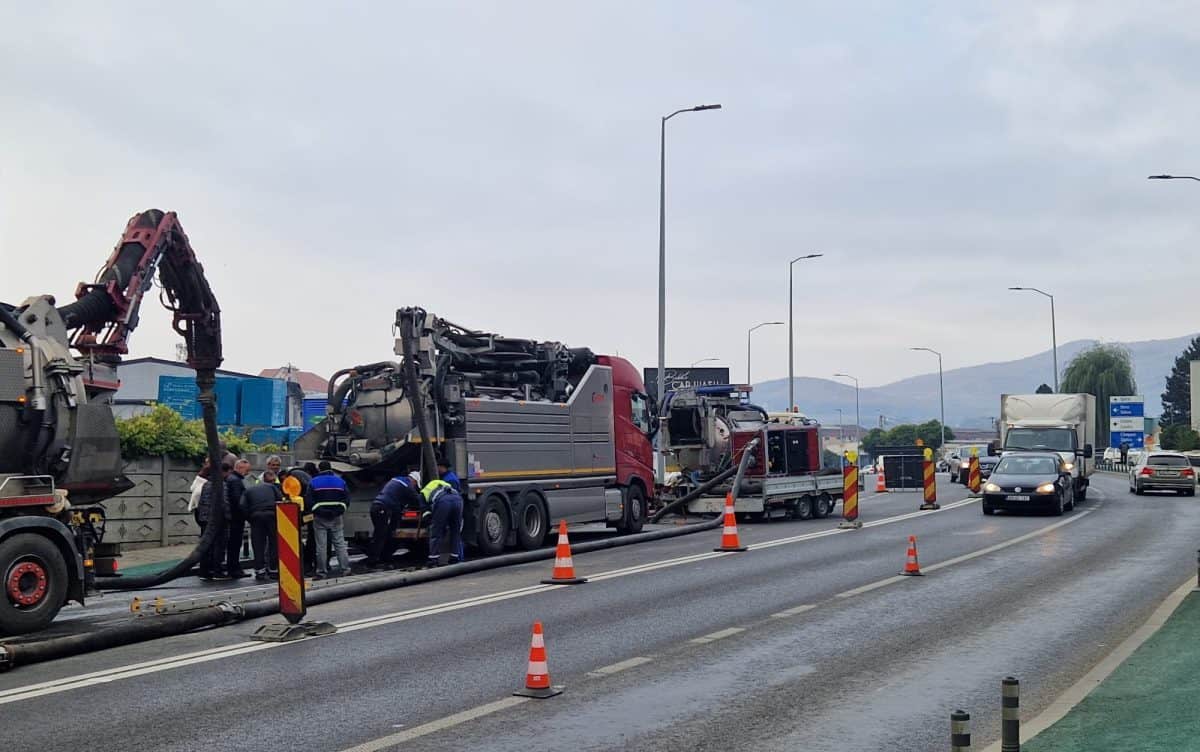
x=634 y=516
x=33 y=578
x=532 y=521
x=822 y=506
x=493 y=525
x=803 y=509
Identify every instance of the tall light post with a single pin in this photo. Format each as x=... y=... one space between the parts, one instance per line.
x=857 y=415
x=841 y=431
x=703 y=360
x=748 y=333
x=659 y=463
x=941 y=391
x=791 y=339
x=1053 y=331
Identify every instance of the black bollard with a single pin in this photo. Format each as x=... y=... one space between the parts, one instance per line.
x=960 y=731
x=1010 y=715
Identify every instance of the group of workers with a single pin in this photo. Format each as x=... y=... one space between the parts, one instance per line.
x=324 y=496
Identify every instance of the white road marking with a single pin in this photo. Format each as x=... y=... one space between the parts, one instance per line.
x=719 y=635
x=440 y=724
x=871 y=586
x=118 y=673
x=616 y=668
x=1092 y=679
x=795 y=611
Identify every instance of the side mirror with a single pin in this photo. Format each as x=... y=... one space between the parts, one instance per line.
x=993 y=450
x=1087 y=451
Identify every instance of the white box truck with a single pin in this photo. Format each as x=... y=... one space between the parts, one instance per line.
x=1063 y=423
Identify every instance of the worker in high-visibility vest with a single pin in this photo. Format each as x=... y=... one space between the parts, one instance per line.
x=447 y=507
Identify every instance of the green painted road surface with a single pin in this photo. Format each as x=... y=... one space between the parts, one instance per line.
x=1150 y=703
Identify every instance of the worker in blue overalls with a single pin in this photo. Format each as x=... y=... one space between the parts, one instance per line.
x=448 y=475
x=446 y=523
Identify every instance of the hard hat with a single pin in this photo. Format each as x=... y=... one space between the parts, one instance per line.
x=415 y=477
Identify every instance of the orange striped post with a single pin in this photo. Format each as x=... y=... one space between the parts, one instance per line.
x=291 y=572
x=850 y=492
x=930 y=482
x=973 y=479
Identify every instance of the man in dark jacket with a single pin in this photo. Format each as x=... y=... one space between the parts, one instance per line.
x=397 y=494
x=330 y=499
x=235 y=486
x=214 y=557
x=258 y=507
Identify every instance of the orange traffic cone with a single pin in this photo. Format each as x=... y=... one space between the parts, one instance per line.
x=911 y=567
x=880 y=482
x=564 y=567
x=729 y=535
x=537 y=676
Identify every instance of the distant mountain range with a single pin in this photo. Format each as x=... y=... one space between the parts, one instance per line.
x=972 y=393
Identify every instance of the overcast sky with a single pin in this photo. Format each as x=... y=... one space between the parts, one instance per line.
x=497 y=164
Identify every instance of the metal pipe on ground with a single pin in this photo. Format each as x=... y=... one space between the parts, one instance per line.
x=150 y=628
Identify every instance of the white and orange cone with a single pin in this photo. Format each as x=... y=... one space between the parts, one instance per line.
x=564 y=567
x=880 y=482
x=911 y=567
x=729 y=534
x=537 y=676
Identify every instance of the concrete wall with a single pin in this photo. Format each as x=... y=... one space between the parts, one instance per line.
x=154 y=512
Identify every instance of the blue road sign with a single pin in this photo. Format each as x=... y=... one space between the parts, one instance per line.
x=1136 y=439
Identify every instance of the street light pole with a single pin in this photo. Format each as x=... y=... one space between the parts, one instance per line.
x=791 y=339
x=941 y=390
x=748 y=333
x=841 y=431
x=857 y=415
x=659 y=464
x=1053 y=329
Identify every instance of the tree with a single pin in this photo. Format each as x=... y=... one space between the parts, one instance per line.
x=1177 y=399
x=1104 y=371
x=1181 y=438
x=873 y=438
x=904 y=434
x=1044 y=389
x=930 y=432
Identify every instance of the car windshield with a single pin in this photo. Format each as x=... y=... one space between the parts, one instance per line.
x=1056 y=439
x=1167 y=460
x=1027 y=466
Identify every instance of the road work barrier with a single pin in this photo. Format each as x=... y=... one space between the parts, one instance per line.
x=1010 y=715
x=850 y=493
x=564 y=566
x=537 y=676
x=974 y=480
x=960 y=731
x=929 y=482
x=911 y=567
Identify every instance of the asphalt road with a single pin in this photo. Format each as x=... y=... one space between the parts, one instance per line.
x=807 y=641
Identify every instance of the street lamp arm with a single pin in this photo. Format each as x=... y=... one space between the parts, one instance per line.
x=1034 y=289
x=1172 y=177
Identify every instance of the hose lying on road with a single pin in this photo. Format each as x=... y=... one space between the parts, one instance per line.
x=149 y=628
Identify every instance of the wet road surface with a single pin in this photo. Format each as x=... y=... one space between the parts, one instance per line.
x=807 y=641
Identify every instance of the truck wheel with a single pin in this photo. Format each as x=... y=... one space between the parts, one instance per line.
x=635 y=510
x=33 y=576
x=531 y=522
x=822 y=506
x=493 y=525
x=803 y=509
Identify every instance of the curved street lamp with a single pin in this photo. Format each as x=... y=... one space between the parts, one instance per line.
x=857 y=415
x=748 y=333
x=791 y=340
x=941 y=392
x=1053 y=332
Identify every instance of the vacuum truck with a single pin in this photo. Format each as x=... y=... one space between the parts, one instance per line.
x=60 y=456
x=537 y=431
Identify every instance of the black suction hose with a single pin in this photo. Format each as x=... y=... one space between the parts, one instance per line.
x=96 y=305
x=205 y=380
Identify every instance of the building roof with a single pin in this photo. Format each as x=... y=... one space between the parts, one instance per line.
x=174 y=364
x=308 y=381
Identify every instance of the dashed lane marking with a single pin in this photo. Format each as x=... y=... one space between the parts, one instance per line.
x=440 y=724
x=620 y=666
x=795 y=611
x=720 y=635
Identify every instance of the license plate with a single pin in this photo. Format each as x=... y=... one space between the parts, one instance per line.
x=1167 y=474
x=1018 y=498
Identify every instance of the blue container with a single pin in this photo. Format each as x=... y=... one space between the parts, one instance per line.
x=179 y=394
x=268 y=435
x=229 y=392
x=313 y=411
x=264 y=402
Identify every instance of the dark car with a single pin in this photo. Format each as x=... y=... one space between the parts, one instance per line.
x=987 y=465
x=1028 y=481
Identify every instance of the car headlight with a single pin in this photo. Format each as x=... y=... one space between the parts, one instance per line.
x=1069 y=465
x=1046 y=488
x=991 y=488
